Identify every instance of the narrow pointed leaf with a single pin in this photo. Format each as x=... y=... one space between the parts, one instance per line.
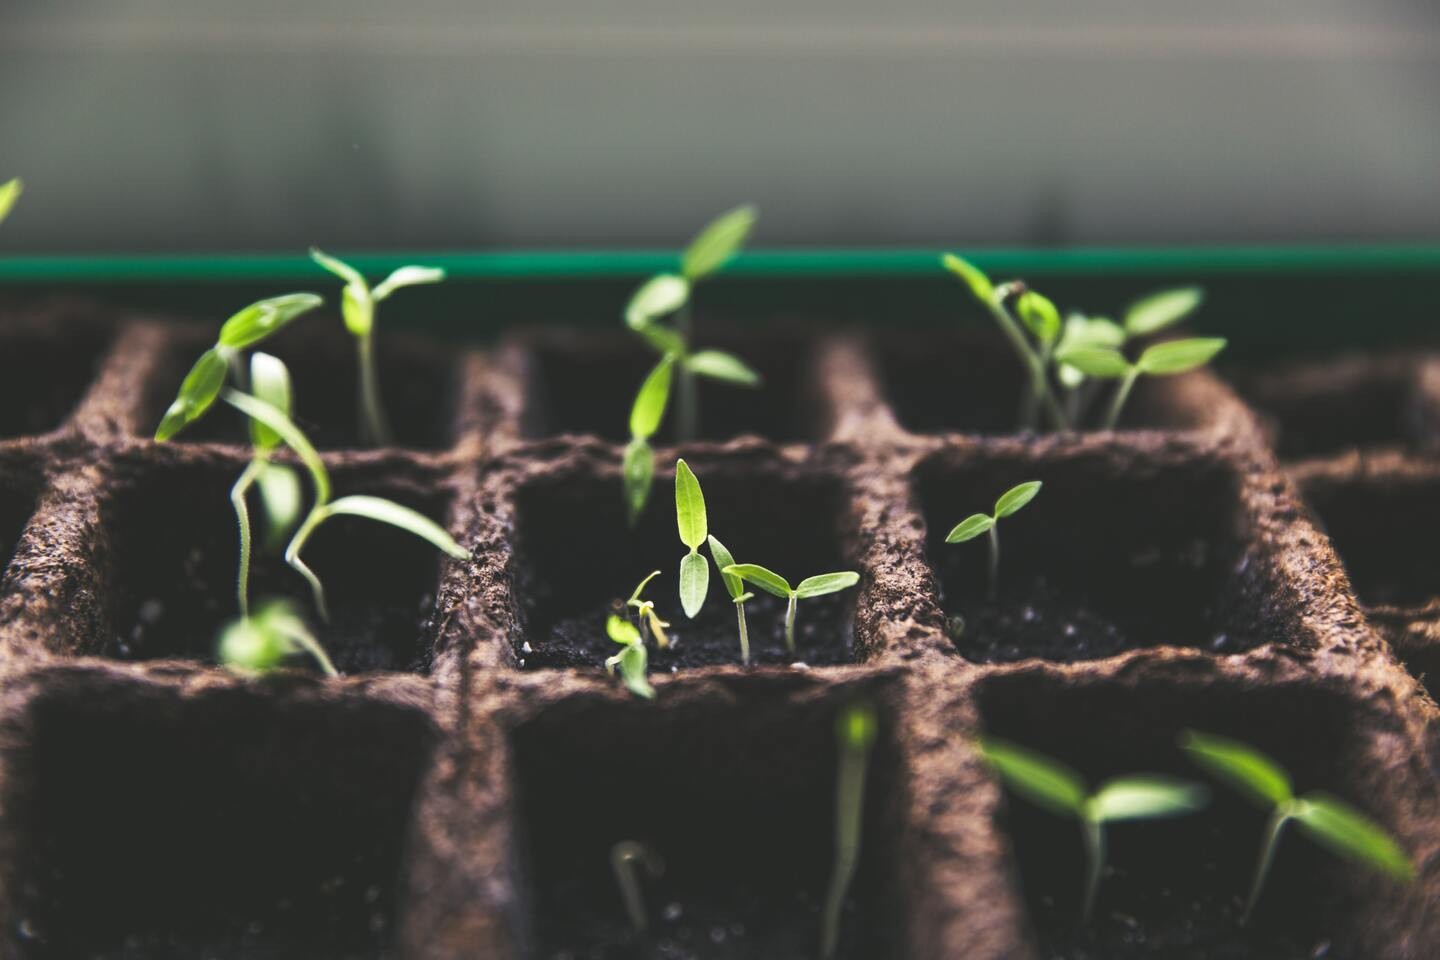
x=1099 y=362
x=9 y=192
x=1083 y=331
x=638 y=470
x=767 y=580
x=1160 y=310
x=694 y=583
x=721 y=239
x=1012 y=500
x=269 y=381
x=291 y=434
x=406 y=277
x=640 y=588
x=279 y=487
x=718 y=365
x=1350 y=833
x=657 y=297
x=970 y=528
x=974 y=278
x=733 y=584
x=1241 y=766
x=197 y=394
x=824 y=583
x=689 y=507
x=398 y=515
x=337 y=266
x=650 y=402
x=1146 y=797
x=259 y=320
x=1036 y=777
x=1179 y=356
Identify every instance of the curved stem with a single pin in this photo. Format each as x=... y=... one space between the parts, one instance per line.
x=1121 y=395
x=849 y=806
x=242 y=517
x=1267 y=856
x=374 y=428
x=744 y=633
x=623 y=858
x=292 y=557
x=790 y=623
x=1039 y=383
x=1095 y=856
x=994 y=560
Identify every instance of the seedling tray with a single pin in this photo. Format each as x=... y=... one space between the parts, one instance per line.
x=1229 y=560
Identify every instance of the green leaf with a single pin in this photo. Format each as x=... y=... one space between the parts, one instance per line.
x=9 y=192
x=979 y=284
x=1178 y=356
x=640 y=588
x=357 y=308
x=279 y=487
x=818 y=586
x=718 y=365
x=1099 y=362
x=269 y=381
x=621 y=630
x=1012 y=500
x=694 y=583
x=406 y=277
x=291 y=434
x=1039 y=315
x=1160 y=310
x=721 y=239
x=766 y=580
x=634 y=661
x=649 y=408
x=197 y=394
x=397 y=515
x=1083 y=331
x=1241 y=766
x=259 y=320
x=1146 y=797
x=733 y=584
x=970 y=528
x=337 y=266
x=1350 y=833
x=638 y=470
x=689 y=507
x=657 y=297
x=251 y=645
x=1036 y=777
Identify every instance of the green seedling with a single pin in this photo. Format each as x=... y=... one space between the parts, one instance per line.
x=1160 y=360
x=773 y=583
x=738 y=594
x=854 y=735
x=645 y=614
x=638 y=468
x=9 y=192
x=667 y=294
x=624 y=857
x=690 y=518
x=260 y=642
x=323 y=508
x=358 y=303
x=1330 y=822
x=1010 y=502
x=632 y=660
x=1056 y=788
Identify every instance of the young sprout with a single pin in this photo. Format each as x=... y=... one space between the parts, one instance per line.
x=357 y=305
x=1011 y=501
x=738 y=594
x=632 y=659
x=9 y=193
x=646 y=615
x=854 y=735
x=1330 y=822
x=623 y=858
x=638 y=467
x=773 y=583
x=690 y=518
x=260 y=642
x=668 y=293
x=373 y=508
x=1161 y=360
x=1050 y=784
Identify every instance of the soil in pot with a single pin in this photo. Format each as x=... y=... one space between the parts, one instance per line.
x=232 y=825
x=578 y=560
x=737 y=798
x=1176 y=888
x=1113 y=555
x=45 y=368
x=173 y=552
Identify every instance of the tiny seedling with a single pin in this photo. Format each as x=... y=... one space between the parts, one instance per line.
x=358 y=303
x=1330 y=822
x=690 y=518
x=773 y=583
x=738 y=594
x=638 y=467
x=1011 y=501
x=1056 y=788
x=854 y=735
x=9 y=193
x=645 y=614
x=260 y=642
x=624 y=857
x=632 y=660
x=1160 y=360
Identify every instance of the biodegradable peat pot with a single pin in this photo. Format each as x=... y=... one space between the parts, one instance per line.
x=457 y=793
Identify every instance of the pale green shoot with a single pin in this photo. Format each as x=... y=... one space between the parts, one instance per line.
x=632 y=660
x=1161 y=360
x=638 y=467
x=1330 y=822
x=1009 y=502
x=691 y=521
x=738 y=594
x=623 y=859
x=776 y=585
x=9 y=193
x=1055 y=787
x=358 y=303
x=855 y=730
x=261 y=642
x=645 y=613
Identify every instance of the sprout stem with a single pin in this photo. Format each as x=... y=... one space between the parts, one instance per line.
x=1267 y=856
x=1094 y=837
x=849 y=809
x=623 y=857
x=292 y=557
x=744 y=633
x=242 y=517
x=374 y=428
x=994 y=561
x=687 y=401
x=1039 y=384
x=790 y=622
x=1121 y=395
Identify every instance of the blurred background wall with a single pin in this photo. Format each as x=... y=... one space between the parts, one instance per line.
x=271 y=124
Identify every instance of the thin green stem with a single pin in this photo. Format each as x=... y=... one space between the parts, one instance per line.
x=1094 y=835
x=849 y=806
x=1039 y=382
x=374 y=427
x=312 y=646
x=1276 y=823
x=292 y=557
x=687 y=400
x=744 y=633
x=1121 y=395
x=242 y=517
x=994 y=561
x=790 y=623
x=623 y=858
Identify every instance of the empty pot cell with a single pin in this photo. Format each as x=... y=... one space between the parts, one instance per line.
x=173 y=554
x=46 y=364
x=578 y=560
x=163 y=827
x=419 y=388
x=737 y=799
x=969 y=380
x=1325 y=407
x=1176 y=888
x=586 y=384
x=1120 y=550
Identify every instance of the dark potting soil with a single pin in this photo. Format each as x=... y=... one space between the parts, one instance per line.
x=44 y=373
